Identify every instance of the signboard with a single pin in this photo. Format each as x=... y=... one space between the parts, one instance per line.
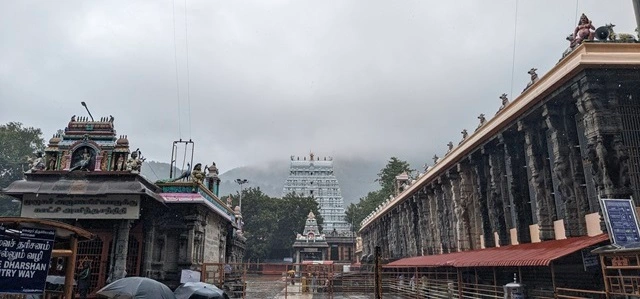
x=189 y=276
x=622 y=222
x=24 y=259
x=81 y=207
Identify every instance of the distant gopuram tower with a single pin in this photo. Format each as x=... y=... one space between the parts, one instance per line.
x=312 y=176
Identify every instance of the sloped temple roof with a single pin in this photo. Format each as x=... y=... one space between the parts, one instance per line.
x=529 y=254
x=84 y=183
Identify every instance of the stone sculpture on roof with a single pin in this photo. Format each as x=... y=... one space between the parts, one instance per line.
x=36 y=163
x=504 y=102
x=197 y=175
x=584 y=31
x=534 y=78
x=134 y=163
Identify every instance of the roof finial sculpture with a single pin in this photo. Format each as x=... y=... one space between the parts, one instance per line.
x=504 y=103
x=197 y=175
x=435 y=159
x=482 y=120
x=213 y=170
x=450 y=145
x=534 y=78
x=584 y=31
x=465 y=134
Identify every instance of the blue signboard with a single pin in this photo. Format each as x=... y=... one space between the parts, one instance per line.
x=24 y=259
x=622 y=222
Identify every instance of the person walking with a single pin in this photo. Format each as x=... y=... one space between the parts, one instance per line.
x=314 y=282
x=83 y=279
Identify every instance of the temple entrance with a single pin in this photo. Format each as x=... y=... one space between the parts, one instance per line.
x=100 y=252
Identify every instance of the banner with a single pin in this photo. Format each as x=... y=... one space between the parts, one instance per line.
x=622 y=222
x=24 y=259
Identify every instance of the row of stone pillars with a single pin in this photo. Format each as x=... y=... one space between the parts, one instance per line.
x=535 y=180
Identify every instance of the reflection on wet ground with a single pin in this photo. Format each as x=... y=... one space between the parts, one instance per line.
x=268 y=287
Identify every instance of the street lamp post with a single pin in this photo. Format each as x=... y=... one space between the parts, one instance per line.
x=241 y=182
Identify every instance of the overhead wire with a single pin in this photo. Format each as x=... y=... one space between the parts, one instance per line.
x=186 y=41
x=175 y=58
x=513 y=57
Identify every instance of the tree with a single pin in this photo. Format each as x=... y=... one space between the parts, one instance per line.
x=387 y=175
x=271 y=224
x=16 y=144
x=355 y=213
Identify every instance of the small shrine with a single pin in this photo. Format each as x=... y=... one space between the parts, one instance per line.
x=90 y=178
x=311 y=245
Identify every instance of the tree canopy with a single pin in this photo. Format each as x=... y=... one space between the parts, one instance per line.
x=386 y=177
x=271 y=224
x=17 y=143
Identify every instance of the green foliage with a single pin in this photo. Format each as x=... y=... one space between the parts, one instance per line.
x=387 y=175
x=355 y=213
x=271 y=224
x=17 y=143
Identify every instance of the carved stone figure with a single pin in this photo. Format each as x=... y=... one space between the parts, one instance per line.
x=435 y=159
x=584 y=31
x=63 y=160
x=197 y=175
x=36 y=163
x=465 y=134
x=103 y=162
x=504 y=103
x=602 y=155
x=622 y=158
x=450 y=146
x=134 y=163
x=592 y=156
x=84 y=161
x=482 y=119
x=52 y=163
x=534 y=78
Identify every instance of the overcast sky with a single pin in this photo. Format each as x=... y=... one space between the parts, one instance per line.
x=270 y=79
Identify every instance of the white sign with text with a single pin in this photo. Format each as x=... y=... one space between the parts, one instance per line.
x=81 y=207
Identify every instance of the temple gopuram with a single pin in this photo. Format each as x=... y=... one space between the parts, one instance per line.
x=90 y=178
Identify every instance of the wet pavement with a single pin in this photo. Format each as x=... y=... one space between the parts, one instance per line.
x=268 y=287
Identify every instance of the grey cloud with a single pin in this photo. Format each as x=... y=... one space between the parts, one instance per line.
x=274 y=78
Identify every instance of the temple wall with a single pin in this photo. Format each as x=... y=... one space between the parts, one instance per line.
x=536 y=179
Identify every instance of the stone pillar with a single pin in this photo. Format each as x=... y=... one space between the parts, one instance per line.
x=434 y=244
x=498 y=211
x=517 y=181
x=414 y=227
x=481 y=174
x=563 y=175
x=605 y=151
x=122 y=247
x=459 y=223
x=447 y=218
x=539 y=180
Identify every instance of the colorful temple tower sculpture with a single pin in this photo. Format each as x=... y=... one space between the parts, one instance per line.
x=89 y=145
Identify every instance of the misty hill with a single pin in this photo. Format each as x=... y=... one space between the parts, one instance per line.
x=355 y=176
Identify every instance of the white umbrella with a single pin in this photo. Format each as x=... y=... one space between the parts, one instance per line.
x=136 y=288
x=198 y=290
